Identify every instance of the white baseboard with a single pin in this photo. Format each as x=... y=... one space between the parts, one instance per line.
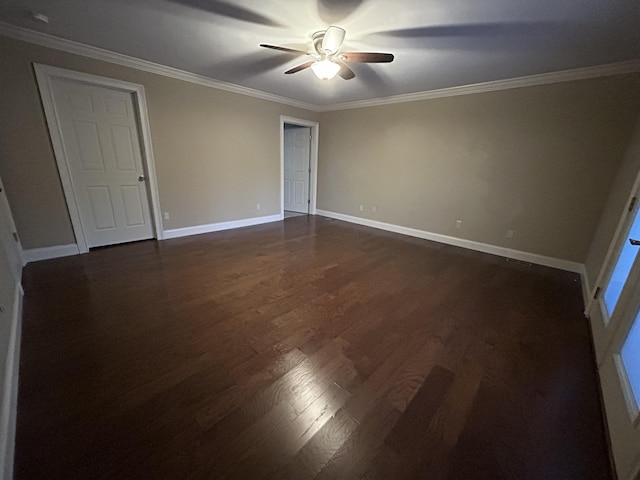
x=461 y=242
x=8 y=409
x=216 y=227
x=45 y=253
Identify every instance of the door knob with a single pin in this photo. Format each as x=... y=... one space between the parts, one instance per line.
x=634 y=242
x=141 y=178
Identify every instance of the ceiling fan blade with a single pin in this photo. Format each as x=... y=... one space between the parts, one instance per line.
x=475 y=29
x=299 y=68
x=364 y=57
x=345 y=72
x=229 y=10
x=252 y=64
x=332 y=11
x=284 y=49
x=333 y=38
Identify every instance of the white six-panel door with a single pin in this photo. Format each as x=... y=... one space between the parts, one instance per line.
x=297 y=143
x=102 y=145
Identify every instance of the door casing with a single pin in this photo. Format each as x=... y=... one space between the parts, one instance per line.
x=313 y=161
x=608 y=335
x=290 y=136
x=44 y=75
x=9 y=239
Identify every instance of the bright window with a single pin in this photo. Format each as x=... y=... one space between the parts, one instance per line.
x=622 y=268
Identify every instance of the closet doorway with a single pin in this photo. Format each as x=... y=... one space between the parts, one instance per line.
x=299 y=154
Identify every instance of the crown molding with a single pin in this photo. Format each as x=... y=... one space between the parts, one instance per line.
x=632 y=66
x=69 y=46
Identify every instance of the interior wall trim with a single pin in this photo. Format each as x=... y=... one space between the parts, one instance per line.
x=313 y=160
x=461 y=242
x=45 y=253
x=69 y=46
x=216 y=227
x=632 y=66
x=9 y=409
x=586 y=293
x=56 y=251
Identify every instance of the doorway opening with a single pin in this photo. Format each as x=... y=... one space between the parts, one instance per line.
x=298 y=166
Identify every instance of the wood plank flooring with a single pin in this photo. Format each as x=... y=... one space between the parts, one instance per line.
x=309 y=348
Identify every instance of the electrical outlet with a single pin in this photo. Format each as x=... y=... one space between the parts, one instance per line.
x=257 y=206
x=510 y=233
x=166 y=216
x=458 y=223
x=374 y=209
x=361 y=208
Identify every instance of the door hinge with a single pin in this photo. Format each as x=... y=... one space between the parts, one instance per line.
x=596 y=293
x=15 y=237
x=309 y=201
x=633 y=203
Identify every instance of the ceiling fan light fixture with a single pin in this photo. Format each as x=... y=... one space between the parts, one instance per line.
x=332 y=39
x=325 y=69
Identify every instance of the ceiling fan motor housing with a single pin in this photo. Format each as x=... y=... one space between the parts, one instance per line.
x=317 y=38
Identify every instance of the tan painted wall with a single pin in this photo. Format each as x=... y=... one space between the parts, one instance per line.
x=537 y=160
x=217 y=153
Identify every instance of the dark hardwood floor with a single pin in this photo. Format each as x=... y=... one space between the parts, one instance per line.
x=308 y=348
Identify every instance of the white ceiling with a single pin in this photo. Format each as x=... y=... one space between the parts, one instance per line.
x=437 y=44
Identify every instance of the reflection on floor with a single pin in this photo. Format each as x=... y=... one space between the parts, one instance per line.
x=288 y=214
x=305 y=349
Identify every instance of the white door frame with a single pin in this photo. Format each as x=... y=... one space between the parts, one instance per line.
x=313 y=160
x=614 y=245
x=5 y=210
x=44 y=75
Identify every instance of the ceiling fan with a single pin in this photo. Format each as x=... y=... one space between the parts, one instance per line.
x=328 y=60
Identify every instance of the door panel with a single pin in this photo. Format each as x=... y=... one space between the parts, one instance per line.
x=90 y=151
x=296 y=169
x=101 y=207
x=132 y=206
x=617 y=341
x=622 y=268
x=102 y=145
x=620 y=380
x=123 y=146
x=81 y=102
x=287 y=193
x=630 y=361
x=117 y=107
x=300 y=192
x=604 y=311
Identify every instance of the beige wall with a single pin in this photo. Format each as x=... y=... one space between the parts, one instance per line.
x=217 y=153
x=537 y=160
